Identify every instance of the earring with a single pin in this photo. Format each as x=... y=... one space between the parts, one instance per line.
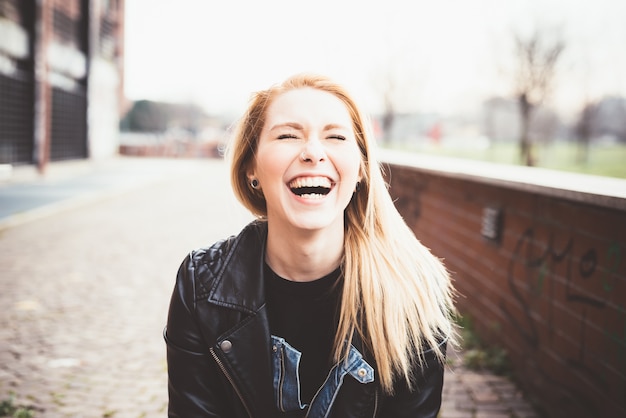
x=254 y=183
x=358 y=186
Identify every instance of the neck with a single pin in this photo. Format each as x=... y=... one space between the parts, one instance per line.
x=303 y=256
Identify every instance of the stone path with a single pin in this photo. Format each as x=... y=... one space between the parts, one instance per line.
x=85 y=281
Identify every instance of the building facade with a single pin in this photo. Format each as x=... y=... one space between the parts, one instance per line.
x=61 y=79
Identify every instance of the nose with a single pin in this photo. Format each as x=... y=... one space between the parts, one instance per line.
x=313 y=151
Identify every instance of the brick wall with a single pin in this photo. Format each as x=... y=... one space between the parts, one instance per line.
x=541 y=272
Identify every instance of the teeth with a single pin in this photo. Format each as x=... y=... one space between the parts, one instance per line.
x=311 y=187
x=312 y=196
x=310 y=182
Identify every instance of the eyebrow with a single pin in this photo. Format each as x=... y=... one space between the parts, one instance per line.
x=299 y=127
x=292 y=125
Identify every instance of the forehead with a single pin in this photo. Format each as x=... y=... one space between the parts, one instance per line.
x=308 y=106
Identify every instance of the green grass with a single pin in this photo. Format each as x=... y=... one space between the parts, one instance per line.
x=477 y=354
x=608 y=160
x=10 y=410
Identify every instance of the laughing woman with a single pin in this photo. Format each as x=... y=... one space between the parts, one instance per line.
x=325 y=306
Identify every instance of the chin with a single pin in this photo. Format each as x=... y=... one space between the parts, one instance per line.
x=315 y=223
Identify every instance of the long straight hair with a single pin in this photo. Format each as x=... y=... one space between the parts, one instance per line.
x=397 y=296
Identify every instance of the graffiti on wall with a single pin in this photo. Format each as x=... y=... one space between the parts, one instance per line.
x=537 y=260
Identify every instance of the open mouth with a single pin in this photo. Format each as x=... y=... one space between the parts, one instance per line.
x=311 y=187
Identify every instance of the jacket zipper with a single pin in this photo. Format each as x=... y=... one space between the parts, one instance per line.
x=282 y=379
x=232 y=382
x=375 y=402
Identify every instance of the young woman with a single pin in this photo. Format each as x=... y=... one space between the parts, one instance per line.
x=326 y=305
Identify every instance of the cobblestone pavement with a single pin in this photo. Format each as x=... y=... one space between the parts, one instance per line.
x=84 y=293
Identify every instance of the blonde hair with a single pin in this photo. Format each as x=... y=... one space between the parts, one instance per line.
x=397 y=296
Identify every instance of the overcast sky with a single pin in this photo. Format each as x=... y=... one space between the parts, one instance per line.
x=446 y=55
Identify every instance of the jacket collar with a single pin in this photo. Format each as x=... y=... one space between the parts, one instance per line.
x=239 y=280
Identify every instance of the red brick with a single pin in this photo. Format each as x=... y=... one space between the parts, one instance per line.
x=567 y=302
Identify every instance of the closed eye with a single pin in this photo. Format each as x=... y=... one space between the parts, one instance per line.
x=339 y=137
x=287 y=136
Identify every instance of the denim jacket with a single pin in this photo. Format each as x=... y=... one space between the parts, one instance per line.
x=223 y=362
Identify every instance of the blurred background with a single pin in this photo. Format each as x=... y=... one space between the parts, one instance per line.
x=528 y=82
x=524 y=82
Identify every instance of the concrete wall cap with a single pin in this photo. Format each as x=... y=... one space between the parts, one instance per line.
x=592 y=189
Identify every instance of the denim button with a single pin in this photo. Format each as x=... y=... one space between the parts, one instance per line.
x=226 y=346
x=362 y=372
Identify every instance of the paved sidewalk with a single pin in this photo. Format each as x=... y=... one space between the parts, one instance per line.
x=88 y=258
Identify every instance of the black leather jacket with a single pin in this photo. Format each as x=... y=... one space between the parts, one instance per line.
x=218 y=344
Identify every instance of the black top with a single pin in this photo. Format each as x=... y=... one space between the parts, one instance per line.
x=305 y=315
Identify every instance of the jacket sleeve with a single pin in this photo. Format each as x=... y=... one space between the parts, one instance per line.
x=424 y=399
x=194 y=380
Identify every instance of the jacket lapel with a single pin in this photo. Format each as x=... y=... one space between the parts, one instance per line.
x=245 y=354
x=244 y=348
x=239 y=281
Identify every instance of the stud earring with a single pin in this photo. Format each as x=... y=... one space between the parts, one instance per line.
x=254 y=183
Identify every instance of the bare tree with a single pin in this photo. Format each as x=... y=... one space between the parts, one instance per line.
x=399 y=86
x=583 y=130
x=389 y=93
x=537 y=56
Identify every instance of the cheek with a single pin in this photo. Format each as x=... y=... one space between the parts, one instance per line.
x=270 y=166
x=351 y=165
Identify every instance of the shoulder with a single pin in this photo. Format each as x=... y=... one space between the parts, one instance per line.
x=204 y=265
x=212 y=256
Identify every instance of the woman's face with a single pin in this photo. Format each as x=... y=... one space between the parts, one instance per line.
x=307 y=160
